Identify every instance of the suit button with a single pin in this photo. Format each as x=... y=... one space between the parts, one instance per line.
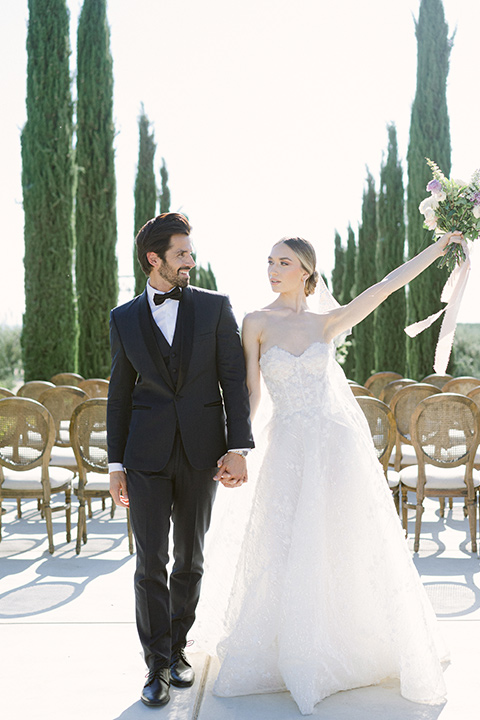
x=174 y=354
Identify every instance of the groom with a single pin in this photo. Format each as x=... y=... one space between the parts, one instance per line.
x=177 y=420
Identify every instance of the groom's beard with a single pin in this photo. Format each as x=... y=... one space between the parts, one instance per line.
x=173 y=277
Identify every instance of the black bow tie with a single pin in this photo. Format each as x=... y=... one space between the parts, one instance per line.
x=174 y=294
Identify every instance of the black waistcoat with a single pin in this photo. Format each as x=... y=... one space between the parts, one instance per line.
x=170 y=353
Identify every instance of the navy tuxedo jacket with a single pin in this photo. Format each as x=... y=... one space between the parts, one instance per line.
x=209 y=402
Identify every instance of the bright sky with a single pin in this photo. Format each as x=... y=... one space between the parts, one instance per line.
x=267 y=113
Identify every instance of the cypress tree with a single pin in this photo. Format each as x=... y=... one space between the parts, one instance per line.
x=49 y=330
x=390 y=317
x=429 y=137
x=96 y=225
x=165 y=192
x=338 y=269
x=366 y=275
x=348 y=293
x=203 y=277
x=145 y=192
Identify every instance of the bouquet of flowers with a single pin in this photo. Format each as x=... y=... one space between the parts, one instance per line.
x=452 y=205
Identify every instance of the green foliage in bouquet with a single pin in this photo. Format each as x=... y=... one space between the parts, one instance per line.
x=453 y=205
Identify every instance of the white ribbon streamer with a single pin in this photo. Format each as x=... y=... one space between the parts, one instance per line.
x=452 y=294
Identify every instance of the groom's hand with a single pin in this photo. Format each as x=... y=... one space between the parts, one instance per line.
x=118 y=488
x=232 y=470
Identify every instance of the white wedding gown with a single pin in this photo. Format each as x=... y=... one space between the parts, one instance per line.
x=325 y=596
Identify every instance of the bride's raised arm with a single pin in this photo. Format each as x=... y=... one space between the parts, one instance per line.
x=343 y=318
x=251 y=340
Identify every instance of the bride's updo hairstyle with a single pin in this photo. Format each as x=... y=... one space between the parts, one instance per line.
x=305 y=252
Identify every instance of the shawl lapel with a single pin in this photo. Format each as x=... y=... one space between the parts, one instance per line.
x=187 y=328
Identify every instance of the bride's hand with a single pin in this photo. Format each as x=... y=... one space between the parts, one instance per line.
x=447 y=239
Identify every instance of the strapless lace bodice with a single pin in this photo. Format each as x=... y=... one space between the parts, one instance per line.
x=295 y=381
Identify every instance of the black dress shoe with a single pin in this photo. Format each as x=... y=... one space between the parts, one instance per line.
x=156 y=690
x=181 y=672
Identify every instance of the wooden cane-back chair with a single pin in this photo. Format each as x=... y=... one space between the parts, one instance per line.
x=391 y=388
x=61 y=401
x=383 y=431
x=5 y=392
x=88 y=432
x=403 y=403
x=437 y=380
x=95 y=387
x=34 y=389
x=461 y=385
x=376 y=382
x=358 y=390
x=27 y=434
x=67 y=378
x=445 y=433
x=475 y=396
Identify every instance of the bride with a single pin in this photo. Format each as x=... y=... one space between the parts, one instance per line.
x=325 y=595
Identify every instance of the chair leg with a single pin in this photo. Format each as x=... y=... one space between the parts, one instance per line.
x=418 y=525
x=89 y=503
x=103 y=503
x=112 y=510
x=80 y=524
x=68 y=514
x=396 y=500
x=404 y=511
x=47 y=511
x=472 y=521
x=450 y=503
x=19 y=508
x=442 y=506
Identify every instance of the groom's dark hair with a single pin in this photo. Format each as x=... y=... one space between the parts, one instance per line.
x=155 y=236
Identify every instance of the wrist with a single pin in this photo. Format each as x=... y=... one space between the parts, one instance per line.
x=242 y=453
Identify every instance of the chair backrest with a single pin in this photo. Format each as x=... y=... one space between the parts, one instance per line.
x=67 y=378
x=475 y=395
x=95 y=387
x=461 y=385
x=391 y=388
x=27 y=434
x=445 y=430
x=376 y=382
x=404 y=402
x=5 y=392
x=437 y=380
x=382 y=426
x=61 y=401
x=360 y=390
x=34 y=389
x=88 y=435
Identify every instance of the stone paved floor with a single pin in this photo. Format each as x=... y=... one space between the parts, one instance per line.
x=69 y=648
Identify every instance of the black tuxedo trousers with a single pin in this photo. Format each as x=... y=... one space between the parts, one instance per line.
x=165 y=610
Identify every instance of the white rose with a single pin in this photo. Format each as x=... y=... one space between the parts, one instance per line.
x=476 y=211
x=430 y=203
x=439 y=196
x=430 y=218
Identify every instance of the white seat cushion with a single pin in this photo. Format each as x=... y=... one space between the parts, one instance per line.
x=408 y=455
x=31 y=479
x=95 y=481
x=63 y=457
x=438 y=478
x=393 y=479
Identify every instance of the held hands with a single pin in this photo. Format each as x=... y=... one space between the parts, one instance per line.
x=118 y=488
x=232 y=470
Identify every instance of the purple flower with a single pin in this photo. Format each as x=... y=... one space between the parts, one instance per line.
x=434 y=186
x=476 y=198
